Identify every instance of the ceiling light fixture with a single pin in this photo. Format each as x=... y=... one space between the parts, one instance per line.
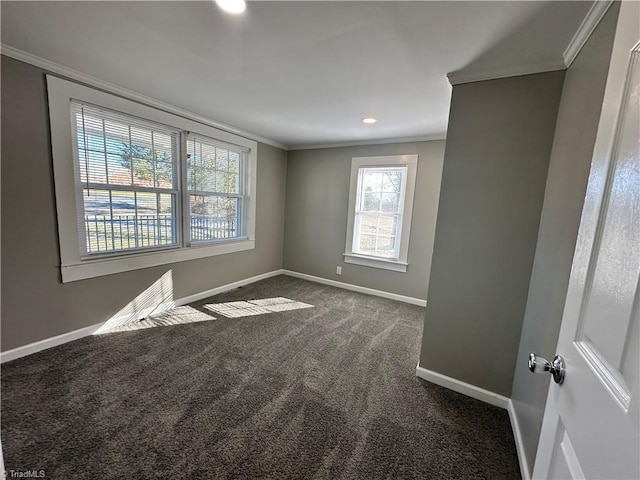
x=232 y=6
x=369 y=120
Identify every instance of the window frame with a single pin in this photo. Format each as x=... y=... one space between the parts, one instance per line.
x=79 y=186
x=73 y=265
x=400 y=263
x=241 y=196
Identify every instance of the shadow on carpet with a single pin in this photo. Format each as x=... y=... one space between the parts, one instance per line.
x=327 y=392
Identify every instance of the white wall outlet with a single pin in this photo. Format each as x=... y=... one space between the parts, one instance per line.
x=338 y=270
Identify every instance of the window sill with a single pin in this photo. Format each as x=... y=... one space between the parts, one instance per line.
x=107 y=266
x=376 y=262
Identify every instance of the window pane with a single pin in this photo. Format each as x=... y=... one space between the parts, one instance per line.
x=147 y=219
x=164 y=170
x=222 y=182
x=391 y=202
x=97 y=213
x=376 y=245
x=168 y=234
x=234 y=183
x=142 y=164
x=387 y=225
x=372 y=180
x=203 y=180
x=378 y=211
x=95 y=165
x=207 y=156
x=392 y=181
x=369 y=224
x=96 y=202
x=385 y=246
x=222 y=159
x=234 y=162
x=118 y=174
x=129 y=155
x=367 y=244
x=215 y=189
x=214 y=217
x=381 y=188
x=117 y=220
x=117 y=136
x=371 y=202
x=140 y=139
x=377 y=235
x=115 y=155
x=212 y=169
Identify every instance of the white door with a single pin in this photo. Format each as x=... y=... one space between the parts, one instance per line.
x=591 y=425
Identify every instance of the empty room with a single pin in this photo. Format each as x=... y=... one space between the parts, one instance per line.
x=320 y=239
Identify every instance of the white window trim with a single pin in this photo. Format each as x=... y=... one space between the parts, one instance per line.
x=73 y=267
x=400 y=264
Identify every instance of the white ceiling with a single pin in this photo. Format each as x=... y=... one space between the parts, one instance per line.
x=299 y=73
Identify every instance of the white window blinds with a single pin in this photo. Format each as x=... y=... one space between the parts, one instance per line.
x=216 y=189
x=126 y=175
x=123 y=199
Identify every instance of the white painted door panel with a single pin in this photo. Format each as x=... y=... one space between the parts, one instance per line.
x=591 y=426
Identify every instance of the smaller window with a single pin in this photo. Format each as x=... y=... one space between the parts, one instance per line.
x=217 y=193
x=380 y=206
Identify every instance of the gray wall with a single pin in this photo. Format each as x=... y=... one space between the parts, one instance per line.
x=578 y=117
x=495 y=167
x=35 y=304
x=316 y=216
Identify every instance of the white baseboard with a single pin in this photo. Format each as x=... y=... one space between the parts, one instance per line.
x=487 y=397
x=86 y=331
x=48 y=343
x=517 y=436
x=226 y=288
x=462 y=387
x=357 y=288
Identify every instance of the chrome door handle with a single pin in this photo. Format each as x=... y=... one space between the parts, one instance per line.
x=540 y=365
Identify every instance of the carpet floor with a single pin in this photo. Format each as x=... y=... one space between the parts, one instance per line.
x=322 y=392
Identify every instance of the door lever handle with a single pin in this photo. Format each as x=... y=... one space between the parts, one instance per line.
x=541 y=365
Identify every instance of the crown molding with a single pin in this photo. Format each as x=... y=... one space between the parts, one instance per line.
x=598 y=9
x=461 y=76
x=88 y=80
x=360 y=143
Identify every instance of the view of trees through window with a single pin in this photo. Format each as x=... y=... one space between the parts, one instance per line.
x=131 y=190
x=129 y=180
x=215 y=190
x=379 y=211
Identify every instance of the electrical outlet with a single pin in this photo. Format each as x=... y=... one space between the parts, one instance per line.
x=338 y=270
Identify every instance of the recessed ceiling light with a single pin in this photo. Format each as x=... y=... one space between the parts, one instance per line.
x=369 y=120
x=232 y=6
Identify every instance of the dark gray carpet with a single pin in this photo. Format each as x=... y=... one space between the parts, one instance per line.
x=320 y=393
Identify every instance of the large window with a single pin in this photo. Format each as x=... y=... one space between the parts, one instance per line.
x=137 y=187
x=380 y=206
x=126 y=171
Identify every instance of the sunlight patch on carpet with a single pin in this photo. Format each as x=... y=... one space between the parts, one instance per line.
x=256 y=307
x=175 y=316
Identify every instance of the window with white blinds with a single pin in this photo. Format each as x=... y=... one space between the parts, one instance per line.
x=127 y=182
x=215 y=185
x=137 y=186
x=380 y=209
